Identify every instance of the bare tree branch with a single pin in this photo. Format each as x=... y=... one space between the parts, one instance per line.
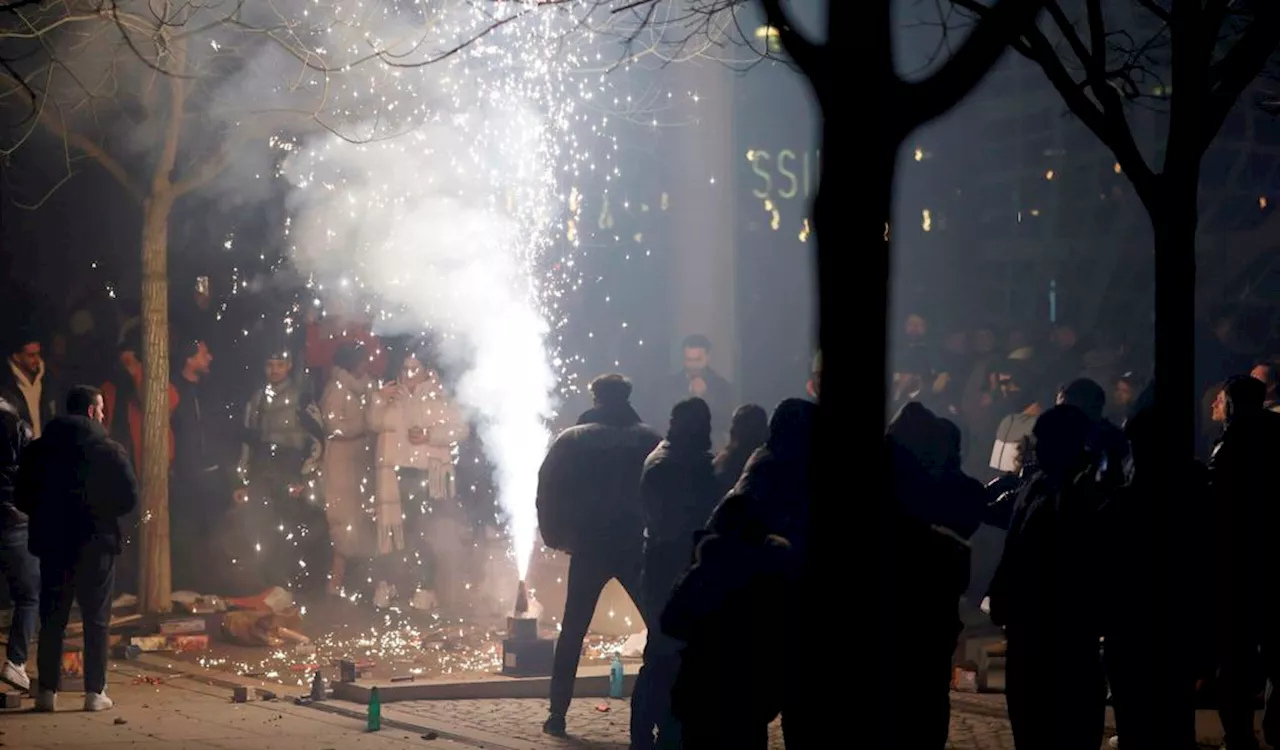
x=807 y=55
x=1229 y=77
x=986 y=43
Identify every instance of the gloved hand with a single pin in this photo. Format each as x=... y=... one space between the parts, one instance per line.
x=390 y=528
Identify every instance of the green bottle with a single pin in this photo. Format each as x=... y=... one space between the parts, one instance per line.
x=375 y=711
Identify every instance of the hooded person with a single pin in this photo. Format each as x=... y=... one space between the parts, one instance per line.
x=753 y=551
x=678 y=493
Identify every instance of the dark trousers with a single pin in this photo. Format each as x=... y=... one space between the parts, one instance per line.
x=1248 y=659
x=198 y=503
x=651 y=699
x=22 y=574
x=86 y=579
x=588 y=574
x=1056 y=693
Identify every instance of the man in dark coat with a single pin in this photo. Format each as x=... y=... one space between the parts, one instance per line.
x=1242 y=487
x=75 y=484
x=589 y=507
x=678 y=491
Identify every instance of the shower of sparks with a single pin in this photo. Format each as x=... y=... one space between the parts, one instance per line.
x=445 y=197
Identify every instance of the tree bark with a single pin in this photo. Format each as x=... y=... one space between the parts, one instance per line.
x=153 y=566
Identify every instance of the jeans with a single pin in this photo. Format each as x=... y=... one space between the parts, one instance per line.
x=87 y=579
x=22 y=574
x=588 y=574
x=651 y=697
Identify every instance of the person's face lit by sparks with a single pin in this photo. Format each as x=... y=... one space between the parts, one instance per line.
x=1123 y=394
x=98 y=411
x=201 y=360
x=278 y=371
x=696 y=360
x=1008 y=386
x=1220 y=407
x=130 y=362
x=28 y=359
x=916 y=328
x=1265 y=375
x=413 y=372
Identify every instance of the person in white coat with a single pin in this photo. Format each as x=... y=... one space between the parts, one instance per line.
x=344 y=406
x=419 y=523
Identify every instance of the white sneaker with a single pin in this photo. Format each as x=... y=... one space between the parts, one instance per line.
x=382 y=595
x=15 y=676
x=1114 y=742
x=424 y=599
x=97 y=701
x=47 y=701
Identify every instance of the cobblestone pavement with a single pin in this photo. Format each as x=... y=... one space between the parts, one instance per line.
x=596 y=724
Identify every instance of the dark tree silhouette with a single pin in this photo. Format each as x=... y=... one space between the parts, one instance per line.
x=1212 y=51
x=1196 y=60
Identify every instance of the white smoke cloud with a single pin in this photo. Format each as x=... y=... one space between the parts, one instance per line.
x=447 y=221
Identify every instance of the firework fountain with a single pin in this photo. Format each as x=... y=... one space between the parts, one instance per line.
x=441 y=198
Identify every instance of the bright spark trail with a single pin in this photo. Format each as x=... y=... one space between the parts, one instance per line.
x=444 y=197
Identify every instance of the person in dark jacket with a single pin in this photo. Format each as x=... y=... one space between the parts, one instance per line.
x=1246 y=522
x=589 y=507
x=1107 y=444
x=938 y=509
x=75 y=484
x=748 y=430
x=21 y=571
x=1045 y=591
x=753 y=552
x=1149 y=576
x=678 y=492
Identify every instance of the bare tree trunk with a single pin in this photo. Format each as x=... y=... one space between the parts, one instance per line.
x=1174 y=219
x=154 y=585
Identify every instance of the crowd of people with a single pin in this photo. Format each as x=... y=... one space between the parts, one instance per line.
x=699 y=524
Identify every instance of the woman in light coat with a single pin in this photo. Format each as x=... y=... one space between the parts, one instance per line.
x=419 y=537
x=344 y=407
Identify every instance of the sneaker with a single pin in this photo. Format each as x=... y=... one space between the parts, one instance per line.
x=1114 y=742
x=382 y=595
x=554 y=726
x=424 y=599
x=97 y=701
x=15 y=676
x=47 y=701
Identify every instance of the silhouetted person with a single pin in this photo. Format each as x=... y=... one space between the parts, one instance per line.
x=1107 y=443
x=21 y=570
x=1242 y=482
x=75 y=484
x=1146 y=574
x=938 y=509
x=589 y=508
x=678 y=492
x=748 y=431
x=751 y=556
x=1045 y=593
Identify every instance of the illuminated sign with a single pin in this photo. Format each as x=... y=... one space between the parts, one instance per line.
x=785 y=175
